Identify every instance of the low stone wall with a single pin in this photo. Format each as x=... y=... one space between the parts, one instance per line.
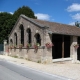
x=29 y=54
x=41 y=55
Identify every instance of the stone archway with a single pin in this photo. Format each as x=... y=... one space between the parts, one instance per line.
x=22 y=34
x=29 y=35
x=15 y=38
x=11 y=42
x=38 y=38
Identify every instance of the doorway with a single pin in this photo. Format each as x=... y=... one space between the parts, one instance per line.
x=60 y=50
x=57 y=48
x=78 y=50
x=66 y=46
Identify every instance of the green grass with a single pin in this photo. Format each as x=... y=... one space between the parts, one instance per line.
x=39 y=61
x=15 y=56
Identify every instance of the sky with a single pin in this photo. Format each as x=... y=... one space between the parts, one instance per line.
x=61 y=11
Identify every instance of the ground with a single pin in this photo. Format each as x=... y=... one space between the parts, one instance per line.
x=66 y=69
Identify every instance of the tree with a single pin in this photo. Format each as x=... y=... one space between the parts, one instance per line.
x=24 y=10
x=77 y=24
x=8 y=20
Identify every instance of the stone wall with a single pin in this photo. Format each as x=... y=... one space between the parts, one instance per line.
x=28 y=54
x=26 y=24
x=31 y=55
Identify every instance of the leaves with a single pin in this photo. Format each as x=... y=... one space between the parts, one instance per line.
x=8 y=20
x=24 y=10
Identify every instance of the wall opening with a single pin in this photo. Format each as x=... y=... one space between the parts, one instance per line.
x=22 y=34
x=11 y=42
x=29 y=35
x=66 y=46
x=38 y=38
x=15 y=38
x=78 y=50
x=61 y=48
x=57 y=48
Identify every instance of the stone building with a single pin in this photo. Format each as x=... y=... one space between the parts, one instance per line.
x=38 y=40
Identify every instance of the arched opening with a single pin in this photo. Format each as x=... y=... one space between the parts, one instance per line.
x=22 y=34
x=11 y=42
x=15 y=38
x=38 y=38
x=29 y=35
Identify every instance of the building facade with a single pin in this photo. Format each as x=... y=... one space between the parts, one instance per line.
x=44 y=41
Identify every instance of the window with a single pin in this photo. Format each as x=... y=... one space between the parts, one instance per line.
x=29 y=35
x=11 y=42
x=22 y=34
x=15 y=38
x=38 y=38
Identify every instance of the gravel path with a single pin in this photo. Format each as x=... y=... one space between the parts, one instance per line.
x=66 y=69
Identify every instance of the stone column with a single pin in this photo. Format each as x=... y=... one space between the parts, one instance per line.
x=47 y=53
x=34 y=39
x=19 y=38
x=5 y=43
x=74 y=51
x=25 y=38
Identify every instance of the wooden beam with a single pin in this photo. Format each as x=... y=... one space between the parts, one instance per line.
x=63 y=46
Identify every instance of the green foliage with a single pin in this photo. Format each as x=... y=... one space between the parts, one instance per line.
x=24 y=10
x=7 y=21
x=77 y=24
x=5 y=25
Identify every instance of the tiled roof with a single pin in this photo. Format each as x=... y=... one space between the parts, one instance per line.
x=56 y=28
x=59 y=28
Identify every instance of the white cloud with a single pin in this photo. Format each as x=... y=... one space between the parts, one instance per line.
x=7 y=12
x=72 y=23
x=11 y=12
x=74 y=7
x=43 y=16
x=76 y=16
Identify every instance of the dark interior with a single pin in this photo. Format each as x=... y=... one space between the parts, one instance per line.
x=78 y=50
x=22 y=34
x=15 y=34
x=38 y=38
x=29 y=35
x=57 y=48
x=57 y=40
x=66 y=46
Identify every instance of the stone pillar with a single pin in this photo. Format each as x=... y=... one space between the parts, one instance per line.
x=44 y=40
x=34 y=39
x=47 y=53
x=74 y=51
x=5 y=43
x=19 y=38
x=25 y=38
